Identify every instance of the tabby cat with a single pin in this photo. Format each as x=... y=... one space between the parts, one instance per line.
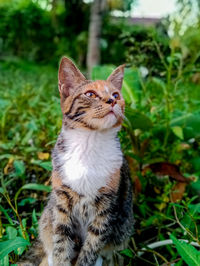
x=89 y=211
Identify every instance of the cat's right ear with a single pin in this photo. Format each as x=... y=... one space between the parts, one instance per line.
x=69 y=77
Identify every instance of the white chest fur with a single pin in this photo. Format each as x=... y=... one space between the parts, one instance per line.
x=90 y=160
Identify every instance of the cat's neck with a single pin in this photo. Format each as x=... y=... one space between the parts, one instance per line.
x=88 y=158
x=84 y=137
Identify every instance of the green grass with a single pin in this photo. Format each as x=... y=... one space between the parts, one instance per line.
x=30 y=120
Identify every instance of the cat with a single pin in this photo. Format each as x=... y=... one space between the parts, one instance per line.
x=89 y=211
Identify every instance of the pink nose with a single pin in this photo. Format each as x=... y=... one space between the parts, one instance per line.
x=111 y=101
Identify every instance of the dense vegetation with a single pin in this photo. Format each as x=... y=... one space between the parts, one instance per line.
x=160 y=136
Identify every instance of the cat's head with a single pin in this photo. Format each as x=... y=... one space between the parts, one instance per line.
x=94 y=105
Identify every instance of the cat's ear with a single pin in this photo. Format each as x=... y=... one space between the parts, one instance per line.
x=116 y=77
x=69 y=77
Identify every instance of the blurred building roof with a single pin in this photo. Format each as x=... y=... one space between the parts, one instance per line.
x=144 y=21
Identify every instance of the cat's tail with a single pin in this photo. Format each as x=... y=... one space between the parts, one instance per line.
x=35 y=256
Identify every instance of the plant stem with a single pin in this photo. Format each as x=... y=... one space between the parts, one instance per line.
x=17 y=214
x=184 y=229
x=156 y=253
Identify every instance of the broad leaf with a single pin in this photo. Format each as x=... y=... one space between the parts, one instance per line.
x=137 y=120
x=11 y=232
x=190 y=123
x=4 y=261
x=102 y=72
x=131 y=86
x=189 y=254
x=10 y=245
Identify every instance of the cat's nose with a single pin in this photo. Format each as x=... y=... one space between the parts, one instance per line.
x=111 y=101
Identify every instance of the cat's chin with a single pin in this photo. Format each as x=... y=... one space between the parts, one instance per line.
x=107 y=122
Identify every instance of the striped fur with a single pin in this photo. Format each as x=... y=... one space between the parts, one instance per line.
x=89 y=211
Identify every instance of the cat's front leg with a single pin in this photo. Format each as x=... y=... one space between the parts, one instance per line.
x=96 y=239
x=63 y=245
x=63 y=230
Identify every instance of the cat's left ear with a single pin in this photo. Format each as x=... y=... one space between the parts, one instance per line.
x=116 y=77
x=69 y=77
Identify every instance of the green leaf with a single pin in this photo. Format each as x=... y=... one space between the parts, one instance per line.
x=4 y=261
x=34 y=218
x=137 y=120
x=102 y=72
x=25 y=201
x=10 y=245
x=46 y=165
x=27 y=137
x=39 y=187
x=189 y=254
x=190 y=123
x=131 y=85
x=4 y=103
x=11 y=232
x=156 y=87
x=195 y=163
x=6 y=215
x=19 y=168
x=178 y=131
x=196 y=185
x=20 y=250
x=127 y=252
x=6 y=156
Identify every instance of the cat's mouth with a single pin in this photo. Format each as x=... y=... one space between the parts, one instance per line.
x=110 y=113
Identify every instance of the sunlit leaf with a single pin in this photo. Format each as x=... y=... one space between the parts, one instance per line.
x=39 y=187
x=43 y=155
x=178 y=131
x=11 y=232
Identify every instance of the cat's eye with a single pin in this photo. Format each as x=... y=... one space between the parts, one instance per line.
x=91 y=94
x=116 y=95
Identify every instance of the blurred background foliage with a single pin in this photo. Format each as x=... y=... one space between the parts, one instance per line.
x=160 y=136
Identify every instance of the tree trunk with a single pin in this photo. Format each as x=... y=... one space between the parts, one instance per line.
x=95 y=25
